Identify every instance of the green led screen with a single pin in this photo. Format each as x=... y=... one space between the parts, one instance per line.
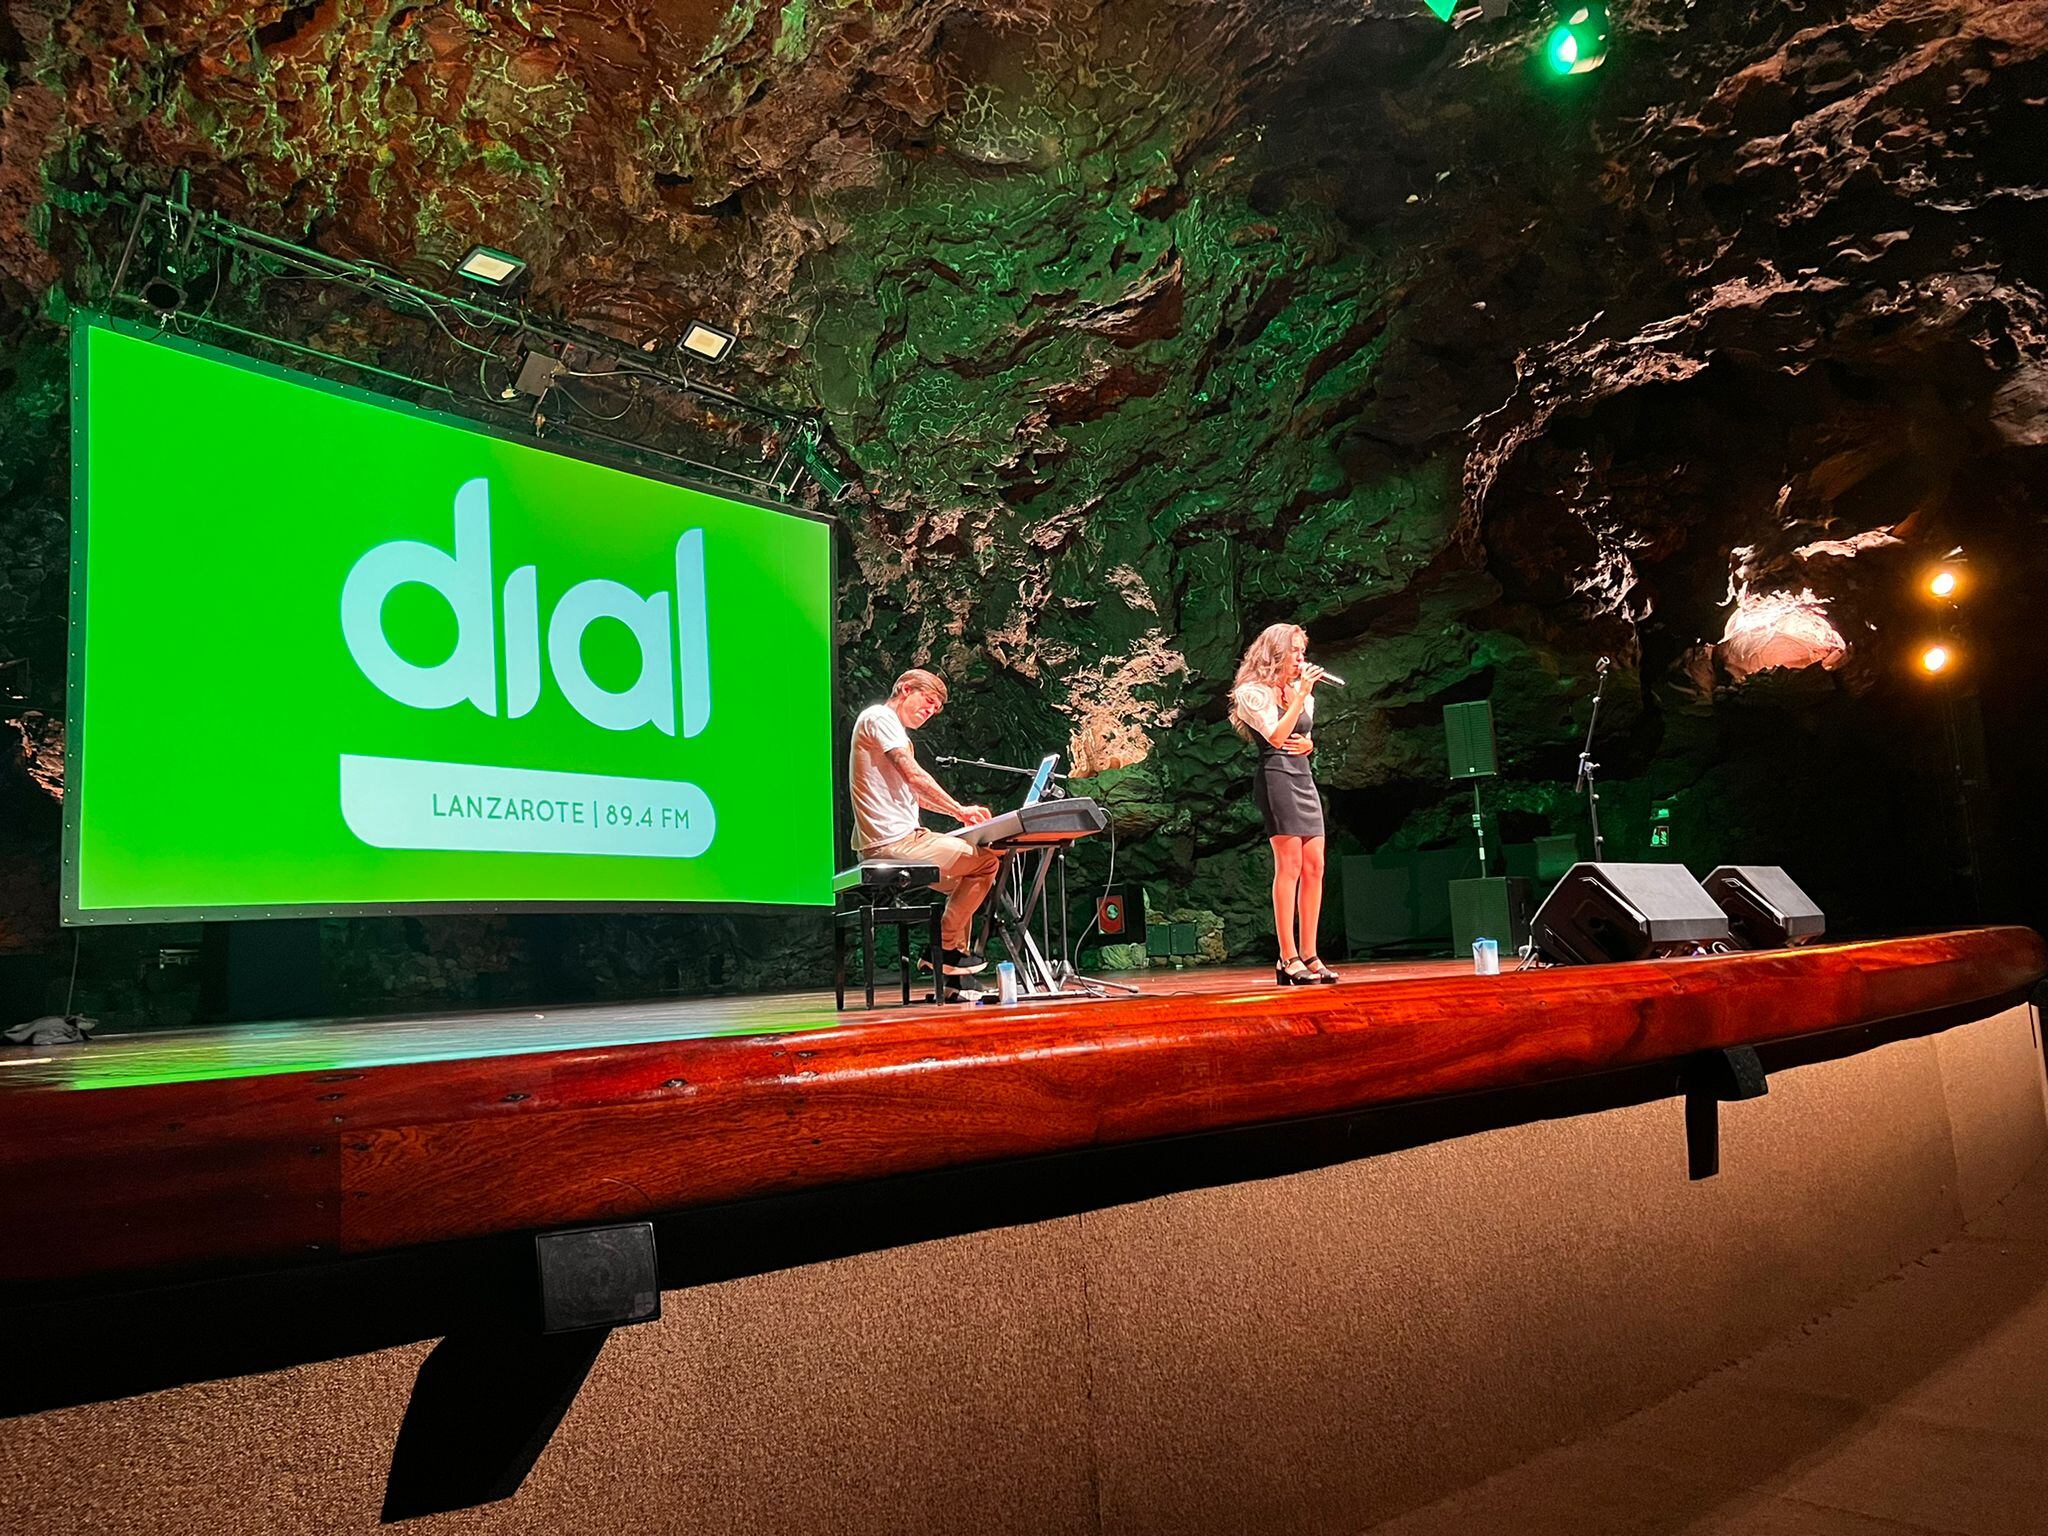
x=334 y=654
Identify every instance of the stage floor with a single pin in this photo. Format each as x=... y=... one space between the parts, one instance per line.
x=211 y=1053
x=321 y=1138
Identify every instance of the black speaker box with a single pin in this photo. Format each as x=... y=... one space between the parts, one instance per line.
x=1602 y=912
x=1468 y=740
x=1765 y=909
x=598 y=1277
x=1120 y=915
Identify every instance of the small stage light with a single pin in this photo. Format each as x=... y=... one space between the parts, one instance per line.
x=1935 y=659
x=706 y=343
x=1945 y=582
x=1578 y=43
x=810 y=452
x=498 y=270
x=163 y=295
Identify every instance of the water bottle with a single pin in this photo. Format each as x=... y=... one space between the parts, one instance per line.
x=1485 y=957
x=1006 y=983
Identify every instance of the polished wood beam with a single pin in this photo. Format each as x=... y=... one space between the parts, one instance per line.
x=232 y=1169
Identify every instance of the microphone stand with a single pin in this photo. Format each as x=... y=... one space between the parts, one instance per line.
x=1022 y=773
x=1587 y=767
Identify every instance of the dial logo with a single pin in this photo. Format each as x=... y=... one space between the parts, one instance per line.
x=673 y=685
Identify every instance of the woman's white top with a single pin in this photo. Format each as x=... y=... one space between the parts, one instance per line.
x=1258 y=707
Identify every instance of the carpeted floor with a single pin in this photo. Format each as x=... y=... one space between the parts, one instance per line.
x=1920 y=1406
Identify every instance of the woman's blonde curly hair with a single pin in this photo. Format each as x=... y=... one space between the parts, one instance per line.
x=1263 y=660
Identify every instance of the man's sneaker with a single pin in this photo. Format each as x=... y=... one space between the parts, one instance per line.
x=962 y=962
x=953 y=994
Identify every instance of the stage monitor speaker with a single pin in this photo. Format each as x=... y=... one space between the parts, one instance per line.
x=1765 y=909
x=1120 y=915
x=1468 y=738
x=1605 y=912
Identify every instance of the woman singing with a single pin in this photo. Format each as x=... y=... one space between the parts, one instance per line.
x=1273 y=703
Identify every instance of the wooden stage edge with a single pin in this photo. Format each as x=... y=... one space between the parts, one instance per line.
x=181 y=1153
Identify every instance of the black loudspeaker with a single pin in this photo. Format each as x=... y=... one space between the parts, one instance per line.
x=1765 y=909
x=598 y=1277
x=1120 y=915
x=1603 y=912
x=1468 y=740
x=1492 y=908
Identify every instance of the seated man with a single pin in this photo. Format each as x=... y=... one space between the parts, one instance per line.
x=889 y=785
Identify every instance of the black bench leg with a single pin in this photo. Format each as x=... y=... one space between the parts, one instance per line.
x=867 y=951
x=903 y=957
x=839 y=961
x=938 y=955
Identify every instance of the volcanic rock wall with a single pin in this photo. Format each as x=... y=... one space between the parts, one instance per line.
x=1144 y=323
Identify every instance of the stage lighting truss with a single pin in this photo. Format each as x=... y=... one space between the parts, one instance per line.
x=491 y=356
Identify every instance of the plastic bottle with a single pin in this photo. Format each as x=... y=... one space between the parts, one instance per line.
x=1006 y=983
x=1485 y=957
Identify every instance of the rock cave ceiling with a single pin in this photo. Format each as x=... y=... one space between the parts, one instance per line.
x=1146 y=322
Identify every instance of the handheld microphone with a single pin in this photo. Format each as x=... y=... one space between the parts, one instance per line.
x=1333 y=679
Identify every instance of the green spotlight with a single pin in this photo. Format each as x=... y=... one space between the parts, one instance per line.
x=1578 y=43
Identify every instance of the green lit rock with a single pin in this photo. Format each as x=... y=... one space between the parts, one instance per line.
x=1144 y=326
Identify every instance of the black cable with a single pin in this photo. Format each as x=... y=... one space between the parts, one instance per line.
x=586 y=410
x=71 y=992
x=1082 y=942
x=434 y=314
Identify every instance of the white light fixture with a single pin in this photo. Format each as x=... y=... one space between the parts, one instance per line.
x=706 y=342
x=491 y=268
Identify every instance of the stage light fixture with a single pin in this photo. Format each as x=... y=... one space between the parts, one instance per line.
x=811 y=454
x=1936 y=659
x=1945 y=582
x=499 y=271
x=1577 y=45
x=163 y=296
x=706 y=343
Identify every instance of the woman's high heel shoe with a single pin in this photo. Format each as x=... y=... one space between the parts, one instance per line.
x=1317 y=971
x=1298 y=976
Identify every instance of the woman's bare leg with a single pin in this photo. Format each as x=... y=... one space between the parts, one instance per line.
x=1286 y=881
x=1311 y=892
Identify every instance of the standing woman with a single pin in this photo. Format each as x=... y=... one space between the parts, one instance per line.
x=1273 y=703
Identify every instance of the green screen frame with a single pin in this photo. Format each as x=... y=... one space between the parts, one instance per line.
x=83 y=322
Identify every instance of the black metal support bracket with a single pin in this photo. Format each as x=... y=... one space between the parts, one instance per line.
x=492 y=1394
x=1710 y=1079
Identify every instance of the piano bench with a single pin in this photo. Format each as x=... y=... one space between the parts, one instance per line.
x=870 y=895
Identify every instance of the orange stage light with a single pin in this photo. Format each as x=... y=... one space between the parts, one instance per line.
x=1936 y=658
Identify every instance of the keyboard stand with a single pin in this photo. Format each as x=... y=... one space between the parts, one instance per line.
x=1038 y=975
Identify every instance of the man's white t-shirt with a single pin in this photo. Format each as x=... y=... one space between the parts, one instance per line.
x=884 y=809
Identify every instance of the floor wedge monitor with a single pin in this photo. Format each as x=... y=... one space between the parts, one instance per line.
x=1765 y=909
x=1602 y=912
